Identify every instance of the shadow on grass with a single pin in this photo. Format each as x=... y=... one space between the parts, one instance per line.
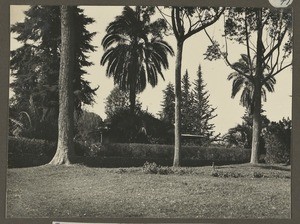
x=274 y=167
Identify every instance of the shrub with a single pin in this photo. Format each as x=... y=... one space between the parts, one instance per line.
x=278 y=141
x=153 y=168
x=25 y=152
x=32 y=152
x=219 y=173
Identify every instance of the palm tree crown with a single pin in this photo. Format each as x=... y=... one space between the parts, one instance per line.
x=246 y=82
x=134 y=51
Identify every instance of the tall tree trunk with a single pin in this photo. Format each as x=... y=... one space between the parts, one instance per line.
x=65 y=145
x=256 y=129
x=132 y=96
x=177 y=148
x=257 y=91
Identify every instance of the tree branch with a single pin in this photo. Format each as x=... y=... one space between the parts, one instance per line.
x=273 y=75
x=225 y=57
x=277 y=45
x=194 y=31
x=247 y=45
x=175 y=29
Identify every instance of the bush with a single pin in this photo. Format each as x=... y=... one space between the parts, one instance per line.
x=31 y=152
x=163 y=154
x=219 y=173
x=25 y=152
x=153 y=168
x=278 y=142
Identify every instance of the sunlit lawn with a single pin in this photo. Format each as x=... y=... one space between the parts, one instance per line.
x=78 y=191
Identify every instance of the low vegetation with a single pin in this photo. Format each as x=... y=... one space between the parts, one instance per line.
x=239 y=191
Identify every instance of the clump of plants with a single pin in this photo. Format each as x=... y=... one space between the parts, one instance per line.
x=219 y=173
x=153 y=168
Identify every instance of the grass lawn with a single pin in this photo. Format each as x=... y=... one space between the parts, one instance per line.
x=238 y=191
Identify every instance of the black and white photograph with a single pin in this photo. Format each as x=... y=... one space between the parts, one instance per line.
x=150 y=112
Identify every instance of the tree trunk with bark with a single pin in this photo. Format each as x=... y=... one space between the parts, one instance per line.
x=65 y=144
x=177 y=150
x=256 y=130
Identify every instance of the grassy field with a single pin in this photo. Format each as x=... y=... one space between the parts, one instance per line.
x=236 y=191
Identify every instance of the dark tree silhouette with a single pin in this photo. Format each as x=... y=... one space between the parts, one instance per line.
x=134 y=51
x=35 y=67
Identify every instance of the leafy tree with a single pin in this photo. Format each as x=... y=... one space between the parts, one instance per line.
x=241 y=134
x=88 y=126
x=65 y=144
x=141 y=127
x=186 y=22
x=134 y=51
x=271 y=31
x=203 y=112
x=278 y=141
x=168 y=105
x=118 y=100
x=35 y=66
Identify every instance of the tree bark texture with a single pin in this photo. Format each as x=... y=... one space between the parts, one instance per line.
x=177 y=149
x=65 y=144
x=256 y=130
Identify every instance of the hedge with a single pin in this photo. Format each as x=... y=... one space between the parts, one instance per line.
x=24 y=152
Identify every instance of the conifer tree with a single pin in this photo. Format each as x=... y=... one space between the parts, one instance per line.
x=35 y=65
x=196 y=110
x=187 y=98
x=168 y=105
x=203 y=112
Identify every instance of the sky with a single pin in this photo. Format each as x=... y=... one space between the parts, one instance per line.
x=229 y=112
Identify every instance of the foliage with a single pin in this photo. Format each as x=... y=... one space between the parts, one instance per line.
x=35 y=67
x=203 y=112
x=278 y=141
x=168 y=105
x=88 y=126
x=196 y=110
x=241 y=134
x=192 y=155
x=255 y=72
x=141 y=127
x=134 y=50
x=245 y=84
x=27 y=152
x=117 y=101
x=187 y=98
x=153 y=168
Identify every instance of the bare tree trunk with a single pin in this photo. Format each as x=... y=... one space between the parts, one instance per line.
x=257 y=91
x=256 y=129
x=65 y=145
x=132 y=95
x=177 y=149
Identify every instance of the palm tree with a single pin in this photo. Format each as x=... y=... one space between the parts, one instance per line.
x=134 y=51
x=246 y=83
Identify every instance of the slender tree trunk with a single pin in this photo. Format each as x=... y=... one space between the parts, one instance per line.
x=132 y=95
x=65 y=145
x=256 y=130
x=177 y=149
x=257 y=91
